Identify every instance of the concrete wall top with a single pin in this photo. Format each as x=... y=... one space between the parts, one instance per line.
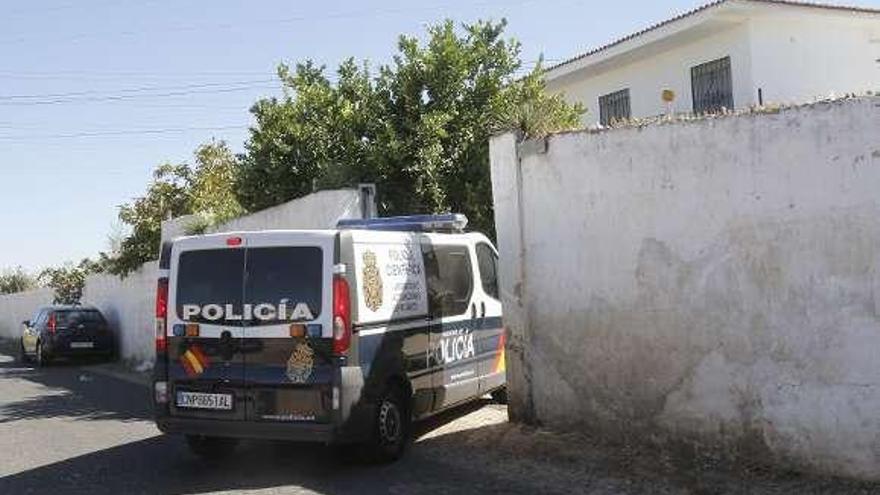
x=319 y=210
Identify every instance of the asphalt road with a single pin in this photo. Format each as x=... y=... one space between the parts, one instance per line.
x=76 y=428
x=70 y=429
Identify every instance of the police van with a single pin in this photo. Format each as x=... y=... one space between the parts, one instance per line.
x=340 y=336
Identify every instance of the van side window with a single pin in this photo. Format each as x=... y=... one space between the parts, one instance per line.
x=449 y=278
x=487 y=261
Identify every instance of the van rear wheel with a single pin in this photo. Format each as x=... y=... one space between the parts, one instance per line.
x=211 y=448
x=391 y=428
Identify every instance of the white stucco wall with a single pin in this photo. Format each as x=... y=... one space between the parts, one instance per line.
x=16 y=308
x=794 y=54
x=320 y=210
x=714 y=282
x=803 y=56
x=128 y=304
x=669 y=69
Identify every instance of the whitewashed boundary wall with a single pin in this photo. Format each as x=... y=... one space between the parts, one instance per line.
x=128 y=303
x=16 y=308
x=714 y=281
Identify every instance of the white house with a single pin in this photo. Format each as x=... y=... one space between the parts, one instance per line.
x=730 y=54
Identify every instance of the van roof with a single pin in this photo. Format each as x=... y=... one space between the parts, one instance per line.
x=329 y=232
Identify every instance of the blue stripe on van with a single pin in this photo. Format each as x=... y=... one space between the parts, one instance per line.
x=417 y=363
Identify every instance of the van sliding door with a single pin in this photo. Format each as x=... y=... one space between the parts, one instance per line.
x=452 y=353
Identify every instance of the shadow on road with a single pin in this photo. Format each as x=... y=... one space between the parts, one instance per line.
x=74 y=393
x=163 y=464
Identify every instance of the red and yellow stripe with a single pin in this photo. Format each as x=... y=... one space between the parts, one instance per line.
x=499 y=365
x=194 y=361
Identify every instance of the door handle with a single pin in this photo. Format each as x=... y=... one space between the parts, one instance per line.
x=473 y=311
x=482 y=309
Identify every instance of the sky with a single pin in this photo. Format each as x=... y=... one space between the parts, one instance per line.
x=94 y=94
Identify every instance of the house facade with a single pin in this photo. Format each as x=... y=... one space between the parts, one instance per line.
x=729 y=54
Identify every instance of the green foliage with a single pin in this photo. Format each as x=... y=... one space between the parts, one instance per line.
x=16 y=280
x=68 y=281
x=167 y=197
x=525 y=107
x=176 y=190
x=420 y=128
x=211 y=183
x=299 y=140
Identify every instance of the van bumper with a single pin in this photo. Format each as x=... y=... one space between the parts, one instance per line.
x=298 y=432
x=352 y=423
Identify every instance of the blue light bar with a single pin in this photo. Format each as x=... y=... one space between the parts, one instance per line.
x=450 y=222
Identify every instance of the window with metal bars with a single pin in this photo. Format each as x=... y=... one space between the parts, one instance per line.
x=614 y=107
x=712 y=86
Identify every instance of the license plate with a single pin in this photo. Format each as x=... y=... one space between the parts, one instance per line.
x=82 y=345
x=201 y=400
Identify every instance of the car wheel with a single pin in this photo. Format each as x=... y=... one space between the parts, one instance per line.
x=391 y=427
x=211 y=448
x=40 y=355
x=499 y=395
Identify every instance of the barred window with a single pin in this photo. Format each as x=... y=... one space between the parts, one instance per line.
x=712 y=86
x=614 y=106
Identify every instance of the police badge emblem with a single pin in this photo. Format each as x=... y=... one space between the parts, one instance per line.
x=372 y=281
x=300 y=363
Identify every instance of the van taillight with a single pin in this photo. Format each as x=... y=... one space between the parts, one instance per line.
x=341 y=316
x=161 y=314
x=52 y=324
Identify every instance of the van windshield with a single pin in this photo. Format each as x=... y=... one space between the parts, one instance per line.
x=254 y=286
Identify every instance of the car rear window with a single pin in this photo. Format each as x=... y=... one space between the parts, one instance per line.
x=78 y=317
x=257 y=286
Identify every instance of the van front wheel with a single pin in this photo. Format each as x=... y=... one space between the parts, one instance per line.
x=391 y=428
x=211 y=448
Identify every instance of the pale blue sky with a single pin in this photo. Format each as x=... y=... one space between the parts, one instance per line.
x=94 y=94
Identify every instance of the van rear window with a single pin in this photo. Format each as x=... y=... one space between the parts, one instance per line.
x=254 y=286
x=293 y=275
x=208 y=278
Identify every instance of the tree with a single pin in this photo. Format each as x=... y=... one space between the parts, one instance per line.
x=68 y=281
x=420 y=128
x=302 y=140
x=205 y=189
x=16 y=280
x=211 y=183
x=167 y=197
x=526 y=108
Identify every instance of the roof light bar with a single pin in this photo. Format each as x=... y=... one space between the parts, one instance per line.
x=450 y=222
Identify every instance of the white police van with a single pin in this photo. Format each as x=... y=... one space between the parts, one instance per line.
x=337 y=336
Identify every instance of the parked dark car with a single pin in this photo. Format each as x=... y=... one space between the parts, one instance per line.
x=66 y=332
